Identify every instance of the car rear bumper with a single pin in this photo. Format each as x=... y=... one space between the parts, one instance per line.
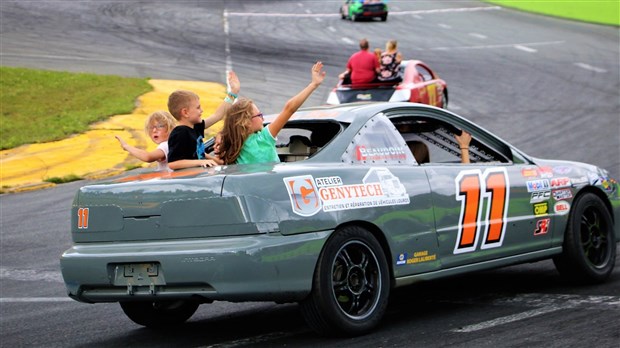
x=250 y=268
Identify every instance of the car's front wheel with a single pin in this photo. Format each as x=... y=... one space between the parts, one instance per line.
x=351 y=285
x=589 y=248
x=159 y=314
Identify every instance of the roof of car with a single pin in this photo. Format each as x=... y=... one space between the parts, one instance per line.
x=346 y=113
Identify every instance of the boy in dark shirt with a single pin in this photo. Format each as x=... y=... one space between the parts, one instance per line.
x=186 y=147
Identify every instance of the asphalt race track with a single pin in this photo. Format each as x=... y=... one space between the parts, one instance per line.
x=548 y=86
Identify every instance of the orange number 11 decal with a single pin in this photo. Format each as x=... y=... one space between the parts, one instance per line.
x=472 y=188
x=82 y=218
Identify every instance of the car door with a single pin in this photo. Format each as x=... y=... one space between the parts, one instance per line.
x=486 y=209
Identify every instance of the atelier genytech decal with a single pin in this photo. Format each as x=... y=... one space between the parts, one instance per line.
x=379 y=187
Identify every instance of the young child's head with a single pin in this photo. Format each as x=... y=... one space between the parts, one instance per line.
x=159 y=125
x=242 y=119
x=217 y=144
x=185 y=106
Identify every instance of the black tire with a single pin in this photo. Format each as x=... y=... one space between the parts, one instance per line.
x=342 y=15
x=351 y=285
x=589 y=248
x=383 y=18
x=353 y=17
x=159 y=314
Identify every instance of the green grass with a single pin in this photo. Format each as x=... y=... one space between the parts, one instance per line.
x=39 y=106
x=594 y=11
x=64 y=179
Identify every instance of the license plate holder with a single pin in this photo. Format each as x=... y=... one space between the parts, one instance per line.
x=138 y=274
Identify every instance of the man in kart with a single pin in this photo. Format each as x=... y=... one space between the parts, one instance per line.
x=362 y=67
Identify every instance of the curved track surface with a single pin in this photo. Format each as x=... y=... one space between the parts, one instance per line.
x=548 y=86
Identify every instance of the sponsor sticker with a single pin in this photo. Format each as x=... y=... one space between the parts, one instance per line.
x=560 y=182
x=540 y=196
x=364 y=153
x=545 y=172
x=378 y=188
x=537 y=185
x=402 y=259
x=529 y=172
x=562 y=170
x=541 y=209
x=579 y=181
x=561 y=207
x=421 y=256
x=542 y=226
x=562 y=194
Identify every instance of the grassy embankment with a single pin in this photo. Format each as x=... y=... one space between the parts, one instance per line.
x=40 y=106
x=594 y=11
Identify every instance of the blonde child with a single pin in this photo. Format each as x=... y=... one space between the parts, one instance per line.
x=158 y=127
x=245 y=140
x=186 y=140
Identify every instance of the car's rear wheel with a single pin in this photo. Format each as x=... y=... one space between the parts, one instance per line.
x=342 y=14
x=351 y=285
x=444 y=99
x=384 y=18
x=159 y=314
x=353 y=17
x=589 y=249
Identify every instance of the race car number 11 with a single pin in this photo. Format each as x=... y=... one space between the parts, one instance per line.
x=472 y=188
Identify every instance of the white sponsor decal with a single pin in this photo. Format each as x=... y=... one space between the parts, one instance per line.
x=537 y=185
x=540 y=196
x=560 y=195
x=378 y=188
x=561 y=207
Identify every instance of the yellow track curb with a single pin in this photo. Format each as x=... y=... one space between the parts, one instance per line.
x=96 y=153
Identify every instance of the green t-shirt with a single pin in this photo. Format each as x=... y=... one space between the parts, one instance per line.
x=259 y=147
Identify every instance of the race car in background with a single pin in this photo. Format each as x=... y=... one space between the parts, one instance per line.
x=419 y=84
x=364 y=9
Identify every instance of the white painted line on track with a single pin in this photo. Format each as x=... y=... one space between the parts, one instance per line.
x=392 y=13
x=478 y=36
x=478 y=47
x=35 y=299
x=510 y=318
x=444 y=26
x=347 y=40
x=526 y=49
x=590 y=67
x=30 y=275
x=332 y=29
x=543 y=303
x=447 y=10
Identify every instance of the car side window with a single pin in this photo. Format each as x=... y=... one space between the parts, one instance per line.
x=378 y=142
x=438 y=144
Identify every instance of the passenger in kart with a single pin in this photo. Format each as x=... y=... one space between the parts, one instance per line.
x=362 y=66
x=158 y=126
x=390 y=63
x=245 y=140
